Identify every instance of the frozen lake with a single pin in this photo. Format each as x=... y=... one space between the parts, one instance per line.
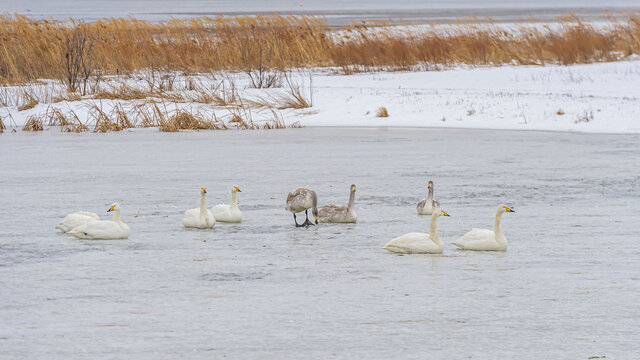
x=567 y=287
x=338 y=12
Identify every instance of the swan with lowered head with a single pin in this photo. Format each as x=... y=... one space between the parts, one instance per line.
x=103 y=229
x=485 y=239
x=76 y=219
x=426 y=206
x=340 y=214
x=300 y=200
x=201 y=218
x=419 y=243
x=229 y=213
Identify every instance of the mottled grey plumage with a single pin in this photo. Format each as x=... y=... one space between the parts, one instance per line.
x=426 y=206
x=302 y=199
x=340 y=214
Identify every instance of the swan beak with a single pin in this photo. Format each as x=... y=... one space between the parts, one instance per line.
x=204 y=190
x=111 y=208
x=509 y=209
x=315 y=217
x=238 y=189
x=445 y=213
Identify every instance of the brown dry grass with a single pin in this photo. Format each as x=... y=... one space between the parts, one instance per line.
x=116 y=120
x=33 y=49
x=31 y=102
x=382 y=112
x=34 y=123
x=184 y=120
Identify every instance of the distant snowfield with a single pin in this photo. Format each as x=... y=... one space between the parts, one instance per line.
x=594 y=98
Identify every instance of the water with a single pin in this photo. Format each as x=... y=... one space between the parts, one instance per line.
x=566 y=288
x=338 y=12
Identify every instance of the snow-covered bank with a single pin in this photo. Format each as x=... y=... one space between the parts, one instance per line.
x=597 y=98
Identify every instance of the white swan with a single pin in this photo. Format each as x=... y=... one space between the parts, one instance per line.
x=485 y=239
x=300 y=200
x=103 y=229
x=228 y=213
x=201 y=217
x=76 y=219
x=419 y=243
x=426 y=206
x=340 y=214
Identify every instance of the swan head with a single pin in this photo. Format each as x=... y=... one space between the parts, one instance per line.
x=203 y=190
x=353 y=187
x=114 y=207
x=430 y=186
x=439 y=212
x=504 y=208
x=235 y=188
x=314 y=211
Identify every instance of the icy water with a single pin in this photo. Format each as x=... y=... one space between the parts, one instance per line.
x=567 y=288
x=338 y=12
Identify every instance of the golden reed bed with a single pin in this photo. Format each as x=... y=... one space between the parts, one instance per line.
x=73 y=51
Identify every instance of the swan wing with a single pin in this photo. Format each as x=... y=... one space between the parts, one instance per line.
x=412 y=243
x=101 y=230
x=477 y=239
x=224 y=213
x=74 y=220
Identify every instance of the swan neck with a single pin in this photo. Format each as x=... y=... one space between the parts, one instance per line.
x=116 y=216
x=430 y=196
x=203 y=205
x=352 y=199
x=234 y=199
x=433 y=234
x=314 y=202
x=497 y=228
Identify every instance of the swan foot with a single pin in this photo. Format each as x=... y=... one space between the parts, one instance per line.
x=307 y=223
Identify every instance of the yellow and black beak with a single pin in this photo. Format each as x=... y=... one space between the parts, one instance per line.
x=445 y=213
x=509 y=209
x=238 y=189
x=315 y=217
x=204 y=190
x=111 y=208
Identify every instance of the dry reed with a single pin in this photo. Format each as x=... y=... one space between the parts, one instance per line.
x=77 y=53
x=382 y=112
x=34 y=123
x=183 y=120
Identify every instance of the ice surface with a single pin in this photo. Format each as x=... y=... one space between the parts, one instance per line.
x=566 y=288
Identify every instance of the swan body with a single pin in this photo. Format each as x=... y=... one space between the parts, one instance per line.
x=300 y=200
x=485 y=239
x=229 y=213
x=340 y=214
x=201 y=218
x=426 y=206
x=76 y=219
x=103 y=229
x=419 y=243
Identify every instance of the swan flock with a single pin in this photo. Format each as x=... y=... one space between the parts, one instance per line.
x=89 y=226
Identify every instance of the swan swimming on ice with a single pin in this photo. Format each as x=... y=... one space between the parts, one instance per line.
x=201 y=218
x=419 y=243
x=302 y=199
x=103 y=229
x=426 y=206
x=485 y=239
x=340 y=214
x=76 y=219
x=229 y=213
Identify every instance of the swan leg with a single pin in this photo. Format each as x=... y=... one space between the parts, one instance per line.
x=306 y=221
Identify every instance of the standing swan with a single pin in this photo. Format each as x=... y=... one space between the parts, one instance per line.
x=104 y=229
x=228 y=213
x=419 y=243
x=76 y=219
x=302 y=199
x=426 y=206
x=201 y=218
x=340 y=214
x=484 y=239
